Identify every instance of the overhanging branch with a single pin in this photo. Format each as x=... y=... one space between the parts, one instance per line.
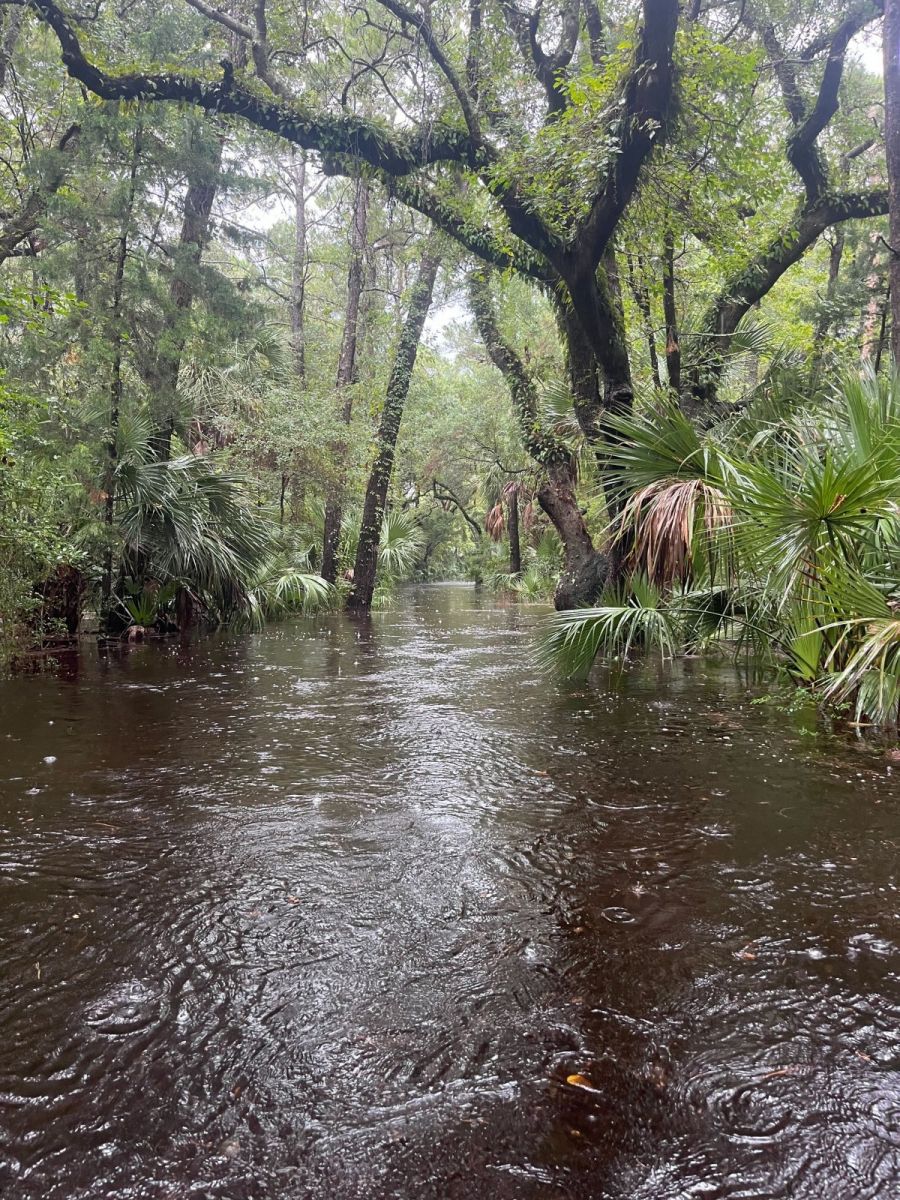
x=382 y=148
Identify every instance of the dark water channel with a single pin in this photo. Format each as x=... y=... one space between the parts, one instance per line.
x=336 y=911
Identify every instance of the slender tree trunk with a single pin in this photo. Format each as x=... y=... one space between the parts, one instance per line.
x=891 y=40
x=115 y=385
x=670 y=314
x=285 y=480
x=512 y=531
x=346 y=371
x=642 y=300
x=366 y=566
x=298 y=274
x=820 y=333
x=203 y=183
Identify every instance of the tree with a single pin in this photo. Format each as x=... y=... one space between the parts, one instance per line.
x=363 y=589
x=561 y=240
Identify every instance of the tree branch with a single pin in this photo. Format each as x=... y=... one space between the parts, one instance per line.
x=422 y=22
x=757 y=279
x=802 y=149
x=450 y=497
x=646 y=104
x=546 y=66
x=543 y=447
x=22 y=224
x=222 y=18
x=374 y=143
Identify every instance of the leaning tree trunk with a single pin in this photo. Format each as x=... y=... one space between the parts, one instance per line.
x=366 y=566
x=203 y=183
x=891 y=39
x=346 y=372
x=585 y=571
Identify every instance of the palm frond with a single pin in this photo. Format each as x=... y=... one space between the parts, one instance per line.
x=572 y=640
x=401 y=545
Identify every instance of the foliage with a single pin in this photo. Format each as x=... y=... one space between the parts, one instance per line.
x=402 y=542
x=789 y=535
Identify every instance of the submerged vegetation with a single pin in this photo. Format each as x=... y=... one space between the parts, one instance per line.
x=585 y=302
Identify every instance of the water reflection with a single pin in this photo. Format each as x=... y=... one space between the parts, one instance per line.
x=339 y=909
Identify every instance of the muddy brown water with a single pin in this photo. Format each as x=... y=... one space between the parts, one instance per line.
x=338 y=910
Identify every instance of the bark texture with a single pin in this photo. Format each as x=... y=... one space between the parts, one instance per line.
x=670 y=314
x=366 y=566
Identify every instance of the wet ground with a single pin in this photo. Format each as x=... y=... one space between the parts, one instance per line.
x=358 y=912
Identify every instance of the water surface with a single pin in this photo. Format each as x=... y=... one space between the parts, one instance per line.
x=338 y=910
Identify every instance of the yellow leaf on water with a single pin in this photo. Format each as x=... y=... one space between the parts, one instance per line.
x=579 y=1081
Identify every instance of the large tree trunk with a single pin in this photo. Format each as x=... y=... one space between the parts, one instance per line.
x=346 y=371
x=366 y=566
x=585 y=570
x=600 y=376
x=598 y=307
x=203 y=183
x=598 y=386
x=891 y=38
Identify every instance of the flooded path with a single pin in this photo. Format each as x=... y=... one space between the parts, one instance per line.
x=337 y=911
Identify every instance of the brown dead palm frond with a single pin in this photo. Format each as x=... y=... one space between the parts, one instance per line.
x=663 y=522
x=495 y=522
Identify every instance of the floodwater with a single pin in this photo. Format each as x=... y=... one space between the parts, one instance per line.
x=364 y=911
